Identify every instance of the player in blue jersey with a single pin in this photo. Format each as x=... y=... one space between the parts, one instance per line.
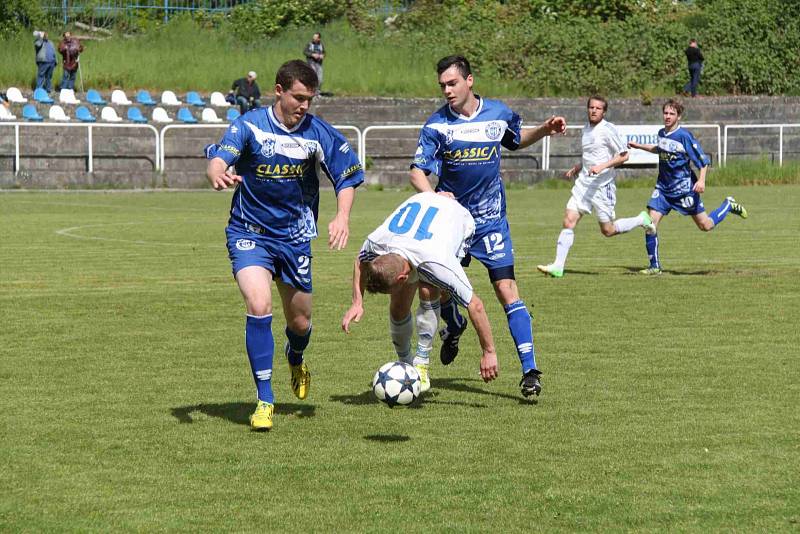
x=280 y=153
x=677 y=187
x=461 y=144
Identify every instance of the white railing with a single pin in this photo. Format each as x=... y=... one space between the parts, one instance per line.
x=165 y=129
x=758 y=126
x=89 y=127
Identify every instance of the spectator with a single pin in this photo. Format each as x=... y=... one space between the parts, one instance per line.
x=694 y=57
x=246 y=93
x=69 y=48
x=45 y=60
x=315 y=53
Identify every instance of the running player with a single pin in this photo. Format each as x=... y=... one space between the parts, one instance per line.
x=677 y=187
x=461 y=144
x=420 y=245
x=603 y=149
x=280 y=153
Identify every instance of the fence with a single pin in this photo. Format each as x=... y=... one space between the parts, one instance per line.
x=757 y=126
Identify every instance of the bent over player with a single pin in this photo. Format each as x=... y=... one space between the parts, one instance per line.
x=677 y=187
x=280 y=153
x=461 y=144
x=420 y=245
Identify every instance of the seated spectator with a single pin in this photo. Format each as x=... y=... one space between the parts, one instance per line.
x=246 y=93
x=69 y=48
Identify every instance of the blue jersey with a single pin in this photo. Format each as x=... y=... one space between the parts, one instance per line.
x=465 y=153
x=280 y=169
x=677 y=150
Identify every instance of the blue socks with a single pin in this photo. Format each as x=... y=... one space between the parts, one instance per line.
x=718 y=215
x=260 y=349
x=454 y=320
x=297 y=344
x=519 y=323
x=651 y=242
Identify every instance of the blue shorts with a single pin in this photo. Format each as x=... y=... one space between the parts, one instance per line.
x=689 y=204
x=491 y=245
x=288 y=262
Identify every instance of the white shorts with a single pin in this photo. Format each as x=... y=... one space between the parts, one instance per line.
x=602 y=200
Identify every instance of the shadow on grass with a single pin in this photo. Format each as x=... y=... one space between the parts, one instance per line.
x=238 y=412
x=635 y=270
x=386 y=438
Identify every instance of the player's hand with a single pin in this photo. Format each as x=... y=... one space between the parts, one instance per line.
x=489 y=366
x=338 y=232
x=571 y=173
x=555 y=125
x=594 y=170
x=224 y=180
x=699 y=186
x=354 y=314
x=446 y=194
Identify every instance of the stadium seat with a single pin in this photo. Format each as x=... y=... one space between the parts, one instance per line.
x=143 y=97
x=56 y=113
x=6 y=115
x=15 y=96
x=209 y=115
x=40 y=95
x=109 y=114
x=135 y=115
x=93 y=97
x=232 y=115
x=218 y=99
x=169 y=98
x=83 y=114
x=160 y=115
x=194 y=99
x=118 y=97
x=29 y=112
x=184 y=115
x=67 y=96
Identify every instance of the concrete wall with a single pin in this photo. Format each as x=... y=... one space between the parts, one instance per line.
x=124 y=158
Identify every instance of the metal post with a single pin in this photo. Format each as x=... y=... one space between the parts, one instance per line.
x=780 y=147
x=64 y=9
x=91 y=163
x=166 y=11
x=16 y=149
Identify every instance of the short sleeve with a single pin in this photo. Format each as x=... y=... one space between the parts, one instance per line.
x=513 y=134
x=695 y=152
x=427 y=155
x=232 y=144
x=450 y=277
x=615 y=142
x=340 y=161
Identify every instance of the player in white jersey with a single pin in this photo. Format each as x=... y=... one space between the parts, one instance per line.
x=603 y=150
x=420 y=246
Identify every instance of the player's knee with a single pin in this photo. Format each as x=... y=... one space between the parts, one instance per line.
x=608 y=231
x=299 y=324
x=258 y=307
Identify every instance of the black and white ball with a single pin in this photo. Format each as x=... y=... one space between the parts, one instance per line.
x=396 y=383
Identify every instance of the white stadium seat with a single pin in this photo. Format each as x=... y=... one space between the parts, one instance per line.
x=169 y=98
x=118 y=97
x=15 y=96
x=209 y=115
x=160 y=115
x=218 y=99
x=6 y=115
x=67 y=96
x=109 y=114
x=56 y=113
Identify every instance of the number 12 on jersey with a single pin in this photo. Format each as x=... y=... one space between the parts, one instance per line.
x=407 y=215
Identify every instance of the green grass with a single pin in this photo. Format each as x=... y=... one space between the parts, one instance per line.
x=669 y=403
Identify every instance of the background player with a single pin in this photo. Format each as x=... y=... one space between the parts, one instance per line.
x=677 y=187
x=420 y=245
x=461 y=144
x=603 y=149
x=278 y=152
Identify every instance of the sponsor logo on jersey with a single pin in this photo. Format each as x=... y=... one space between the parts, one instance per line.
x=475 y=153
x=245 y=244
x=230 y=149
x=268 y=148
x=494 y=130
x=448 y=136
x=281 y=172
x=310 y=148
x=419 y=157
x=351 y=170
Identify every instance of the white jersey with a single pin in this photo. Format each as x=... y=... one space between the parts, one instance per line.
x=600 y=143
x=433 y=233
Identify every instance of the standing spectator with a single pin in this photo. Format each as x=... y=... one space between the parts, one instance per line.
x=694 y=57
x=246 y=93
x=315 y=53
x=45 y=60
x=69 y=48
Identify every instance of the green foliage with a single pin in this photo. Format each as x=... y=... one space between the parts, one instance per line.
x=18 y=14
x=264 y=18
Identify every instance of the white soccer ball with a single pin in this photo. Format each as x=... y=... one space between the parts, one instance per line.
x=396 y=383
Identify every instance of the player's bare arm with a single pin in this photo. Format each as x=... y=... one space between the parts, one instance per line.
x=616 y=161
x=700 y=185
x=640 y=146
x=479 y=319
x=218 y=174
x=339 y=227
x=419 y=181
x=552 y=126
x=356 y=311
x=572 y=171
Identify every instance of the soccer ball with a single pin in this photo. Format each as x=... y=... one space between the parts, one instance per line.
x=396 y=383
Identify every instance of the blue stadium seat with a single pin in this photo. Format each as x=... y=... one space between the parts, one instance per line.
x=232 y=115
x=143 y=97
x=135 y=115
x=93 y=97
x=194 y=99
x=40 y=95
x=29 y=112
x=184 y=115
x=83 y=114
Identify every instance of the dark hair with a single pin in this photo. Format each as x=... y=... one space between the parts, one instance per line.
x=692 y=41
x=296 y=70
x=599 y=99
x=459 y=61
x=673 y=103
x=381 y=273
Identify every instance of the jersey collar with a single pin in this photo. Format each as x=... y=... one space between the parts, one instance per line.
x=464 y=117
x=282 y=126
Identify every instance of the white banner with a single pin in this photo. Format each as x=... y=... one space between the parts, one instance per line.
x=645 y=134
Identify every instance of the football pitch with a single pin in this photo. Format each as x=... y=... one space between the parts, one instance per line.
x=669 y=403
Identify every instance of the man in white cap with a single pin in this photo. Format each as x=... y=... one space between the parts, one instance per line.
x=246 y=93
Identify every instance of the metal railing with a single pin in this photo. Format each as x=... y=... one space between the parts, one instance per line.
x=89 y=127
x=758 y=127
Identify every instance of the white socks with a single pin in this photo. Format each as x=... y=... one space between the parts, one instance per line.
x=626 y=225
x=427 y=317
x=402 y=331
x=565 y=239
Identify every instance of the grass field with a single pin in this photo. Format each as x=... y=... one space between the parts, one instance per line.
x=669 y=403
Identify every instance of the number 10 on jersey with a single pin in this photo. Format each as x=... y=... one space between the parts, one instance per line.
x=407 y=215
